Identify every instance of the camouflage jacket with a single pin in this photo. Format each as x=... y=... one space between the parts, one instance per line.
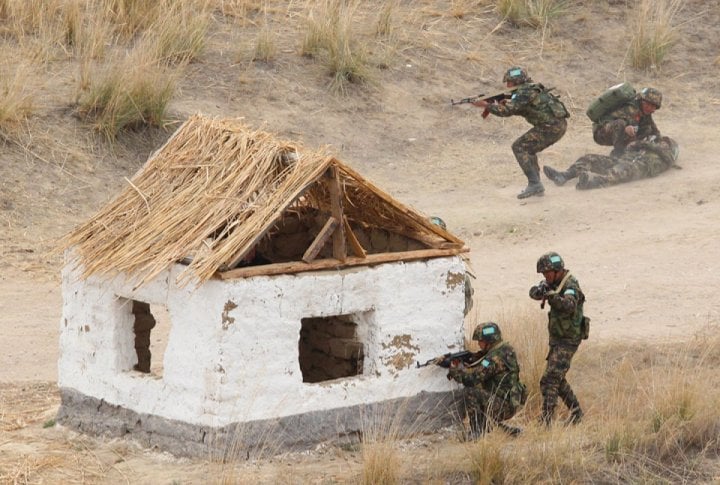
x=647 y=158
x=533 y=102
x=566 y=311
x=497 y=371
x=632 y=115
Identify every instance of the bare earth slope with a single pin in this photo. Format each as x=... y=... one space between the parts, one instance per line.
x=646 y=253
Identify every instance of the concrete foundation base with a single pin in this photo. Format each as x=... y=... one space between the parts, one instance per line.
x=423 y=413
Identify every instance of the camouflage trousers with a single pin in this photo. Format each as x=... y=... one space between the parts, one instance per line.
x=612 y=133
x=603 y=171
x=553 y=383
x=485 y=408
x=535 y=140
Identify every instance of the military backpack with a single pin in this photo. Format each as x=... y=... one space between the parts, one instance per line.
x=611 y=99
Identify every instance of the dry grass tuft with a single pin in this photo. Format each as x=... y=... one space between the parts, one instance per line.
x=384 y=25
x=382 y=430
x=330 y=37
x=535 y=13
x=654 y=30
x=487 y=465
x=131 y=93
x=265 y=45
x=179 y=35
x=131 y=17
x=15 y=97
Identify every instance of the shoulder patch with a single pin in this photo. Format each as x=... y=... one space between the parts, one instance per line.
x=570 y=291
x=485 y=363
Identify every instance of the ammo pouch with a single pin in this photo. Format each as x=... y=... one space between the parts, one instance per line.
x=585 y=328
x=558 y=107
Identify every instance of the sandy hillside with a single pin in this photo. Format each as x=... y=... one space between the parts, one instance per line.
x=646 y=253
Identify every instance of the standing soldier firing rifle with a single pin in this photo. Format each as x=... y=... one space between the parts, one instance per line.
x=540 y=108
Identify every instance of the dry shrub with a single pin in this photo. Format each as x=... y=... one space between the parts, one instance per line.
x=72 y=21
x=237 y=8
x=653 y=30
x=525 y=328
x=535 y=13
x=381 y=463
x=265 y=45
x=179 y=34
x=131 y=17
x=330 y=37
x=130 y=93
x=682 y=415
x=15 y=96
x=487 y=465
x=381 y=430
x=384 y=24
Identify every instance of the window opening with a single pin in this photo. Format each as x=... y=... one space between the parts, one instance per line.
x=329 y=348
x=151 y=328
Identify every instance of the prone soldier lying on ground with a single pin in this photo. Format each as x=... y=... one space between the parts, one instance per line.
x=641 y=159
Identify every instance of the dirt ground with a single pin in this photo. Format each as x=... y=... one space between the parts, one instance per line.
x=646 y=253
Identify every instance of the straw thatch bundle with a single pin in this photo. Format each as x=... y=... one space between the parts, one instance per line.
x=211 y=192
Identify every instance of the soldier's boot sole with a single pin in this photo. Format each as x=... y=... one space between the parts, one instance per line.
x=531 y=190
x=554 y=175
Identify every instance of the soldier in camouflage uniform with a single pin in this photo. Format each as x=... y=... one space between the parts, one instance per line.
x=540 y=108
x=493 y=391
x=567 y=327
x=631 y=121
x=468 y=289
x=641 y=159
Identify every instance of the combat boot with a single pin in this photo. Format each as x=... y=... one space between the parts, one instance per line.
x=511 y=430
x=535 y=188
x=555 y=175
x=576 y=416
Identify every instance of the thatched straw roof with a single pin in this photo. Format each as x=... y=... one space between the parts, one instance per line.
x=212 y=191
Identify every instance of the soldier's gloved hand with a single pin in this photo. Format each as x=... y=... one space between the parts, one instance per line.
x=538 y=291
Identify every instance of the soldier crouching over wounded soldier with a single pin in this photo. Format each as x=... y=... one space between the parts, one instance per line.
x=631 y=121
x=493 y=392
x=641 y=159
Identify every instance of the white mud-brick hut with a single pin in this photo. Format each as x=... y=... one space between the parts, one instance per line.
x=293 y=298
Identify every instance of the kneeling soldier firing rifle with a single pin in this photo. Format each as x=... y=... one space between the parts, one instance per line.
x=492 y=389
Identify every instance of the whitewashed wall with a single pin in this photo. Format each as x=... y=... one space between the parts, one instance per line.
x=240 y=365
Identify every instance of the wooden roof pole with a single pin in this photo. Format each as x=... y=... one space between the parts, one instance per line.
x=336 y=210
x=357 y=248
x=333 y=264
x=328 y=229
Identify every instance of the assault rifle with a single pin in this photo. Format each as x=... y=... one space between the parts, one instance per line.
x=466 y=357
x=544 y=289
x=498 y=98
x=471 y=99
